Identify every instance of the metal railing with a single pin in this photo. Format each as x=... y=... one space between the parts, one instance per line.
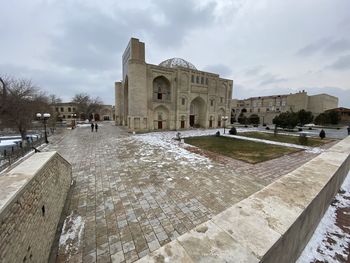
x=11 y=154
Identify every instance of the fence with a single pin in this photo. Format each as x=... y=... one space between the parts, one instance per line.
x=12 y=154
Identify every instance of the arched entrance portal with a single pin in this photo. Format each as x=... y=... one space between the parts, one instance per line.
x=126 y=100
x=220 y=115
x=198 y=113
x=161 y=118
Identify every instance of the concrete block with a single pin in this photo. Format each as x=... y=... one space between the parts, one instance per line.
x=171 y=252
x=210 y=243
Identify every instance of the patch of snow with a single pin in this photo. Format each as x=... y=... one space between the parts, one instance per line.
x=72 y=231
x=7 y=143
x=187 y=178
x=318 y=249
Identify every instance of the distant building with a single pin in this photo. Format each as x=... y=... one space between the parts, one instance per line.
x=267 y=107
x=344 y=114
x=68 y=110
x=168 y=96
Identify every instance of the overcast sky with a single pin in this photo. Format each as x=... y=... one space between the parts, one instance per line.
x=266 y=46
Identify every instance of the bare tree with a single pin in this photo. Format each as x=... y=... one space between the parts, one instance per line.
x=53 y=99
x=86 y=105
x=22 y=101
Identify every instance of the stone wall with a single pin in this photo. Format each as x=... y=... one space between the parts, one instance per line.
x=272 y=225
x=32 y=196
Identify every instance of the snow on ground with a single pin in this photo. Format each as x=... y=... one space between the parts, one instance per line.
x=328 y=239
x=166 y=140
x=6 y=143
x=87 y=125
x=72 y=232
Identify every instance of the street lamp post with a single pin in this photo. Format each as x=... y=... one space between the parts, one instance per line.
x=224 y=119
x=44 y=117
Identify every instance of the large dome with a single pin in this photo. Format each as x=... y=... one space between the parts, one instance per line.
x=177 y=63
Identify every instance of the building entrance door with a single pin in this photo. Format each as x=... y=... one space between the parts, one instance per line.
x=191 y=120
x=182 y=124
x=210 y=124
x=160 y=125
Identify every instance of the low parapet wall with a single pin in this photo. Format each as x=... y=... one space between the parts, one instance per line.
x=32 y=197
x=272 y=225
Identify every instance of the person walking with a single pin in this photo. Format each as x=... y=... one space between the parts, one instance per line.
x=96 y=127
x=92 y=127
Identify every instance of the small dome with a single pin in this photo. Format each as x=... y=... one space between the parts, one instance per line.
x=177 y=63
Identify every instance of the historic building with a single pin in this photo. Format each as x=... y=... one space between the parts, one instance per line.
x=171 y=95
x=267 y=107
x=344 y=114
x=66 y=111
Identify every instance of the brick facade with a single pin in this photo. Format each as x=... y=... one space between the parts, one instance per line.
x=31 y=201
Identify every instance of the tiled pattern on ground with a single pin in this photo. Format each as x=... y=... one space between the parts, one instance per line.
x=130 y=197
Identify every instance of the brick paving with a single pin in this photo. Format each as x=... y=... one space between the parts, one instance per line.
x=130 y=197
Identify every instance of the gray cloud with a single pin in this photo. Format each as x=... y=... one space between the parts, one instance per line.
x=222 y=70
x=314 y=47
x=342 y=63
x=269 y=78
x=327 y=46
x=64 y=84
x=253 y=71
x=95 y=40
x=337 y=46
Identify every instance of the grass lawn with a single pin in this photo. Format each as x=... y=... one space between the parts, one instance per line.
x=311 y=141
x=248 y=151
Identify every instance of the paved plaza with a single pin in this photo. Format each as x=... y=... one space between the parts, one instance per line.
x=134 y=193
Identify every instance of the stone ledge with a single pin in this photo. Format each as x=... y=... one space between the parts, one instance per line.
x=14 y=181
x=272 y=225
x=32 y=196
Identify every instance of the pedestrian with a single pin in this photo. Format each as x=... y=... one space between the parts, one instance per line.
x=96 y=127
x=92 y=127
x=349 y=130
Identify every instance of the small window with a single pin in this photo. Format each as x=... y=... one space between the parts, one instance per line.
x=183 y=101
x=267 y=109
x=192 y=78
x=202 y=80
x=57 y=109
x=211 y=102
x=64 y=116
x=69 y=109
x=197 y=79
x=68 y=116
x=159 y=96
x=62 y=110
x=73 y=109
x=221 y=99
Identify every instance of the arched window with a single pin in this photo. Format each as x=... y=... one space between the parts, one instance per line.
x=161 y=88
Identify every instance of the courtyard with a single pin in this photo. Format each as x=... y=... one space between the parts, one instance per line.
x=134 y=193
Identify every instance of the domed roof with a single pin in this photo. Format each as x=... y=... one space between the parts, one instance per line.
x=177 y=63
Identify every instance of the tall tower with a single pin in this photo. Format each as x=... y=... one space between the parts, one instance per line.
x=133 y=108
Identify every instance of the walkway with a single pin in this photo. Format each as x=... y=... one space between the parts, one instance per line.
x=135 y=193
